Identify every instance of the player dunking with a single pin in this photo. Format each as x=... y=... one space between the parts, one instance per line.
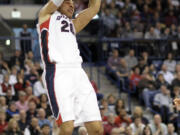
x=70 y=93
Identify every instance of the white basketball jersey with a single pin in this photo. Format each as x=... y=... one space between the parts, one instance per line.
x=58 y=40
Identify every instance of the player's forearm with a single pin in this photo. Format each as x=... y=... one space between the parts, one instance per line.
x=95 y=4
x=51 y=7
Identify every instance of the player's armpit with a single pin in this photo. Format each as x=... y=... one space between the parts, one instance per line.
x=86 y=15
x=46 y=11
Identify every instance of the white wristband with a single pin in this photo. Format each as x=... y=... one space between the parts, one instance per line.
x=57 y=2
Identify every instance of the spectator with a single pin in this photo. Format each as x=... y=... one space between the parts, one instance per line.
x=166 y=33
x=142 y=64
x=21 y=84
x=113 y=8
x=173 y=31
x=176 y=81
x=23 y=121
x=147 y=130
x=110 y=124
x=160 y=81
x=177 y=68
x=98 y=94
x=32 y=77
x=148 y=87
x=123 y=119
x=102 y=112
x=111 y=103
x=9 y=97
x=178 y=31
x=28 y=66
x=130 y=59
x=13 y=128
x=17 y=60
x=137 y=126
x=32 y=112
x=115 y=131
x=170 y=18
x=45 y=129
x=171 y=129
x=12 y=110
x=25 y=43
x=114 y=60
x=12 y=77
x=123 y=74
x=119 y=105
x=104 y=103
x=120 y=4
x=157 y=126
x=42 y=119
x=109 y=21
x=44 y=104
x=135 y=78
x=6 y=85
x=168 y=76
x=38 y=67
x=4 y=68
x=170 y=63
x=145 y=56
x=162 y=102
x=38 y=87
x=30 y=96
x=127 y=31
x=22 y=104
x=176 y=92
x=138 y=112
x=128 y=131
x=33 y=128
x=82 y=131
x=158 y=28
x=3 y=122
x=30 y=56
x=151 y=34
x=129 y=6
x=3 y=104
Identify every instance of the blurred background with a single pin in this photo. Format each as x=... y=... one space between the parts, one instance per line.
x=131 y=53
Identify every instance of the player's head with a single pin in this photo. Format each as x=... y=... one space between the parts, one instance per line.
x=67 y=8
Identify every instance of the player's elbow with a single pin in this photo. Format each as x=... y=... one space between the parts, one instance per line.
x=97 y=8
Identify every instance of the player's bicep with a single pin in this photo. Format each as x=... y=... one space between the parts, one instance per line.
x=46 y=11
x=83 y=19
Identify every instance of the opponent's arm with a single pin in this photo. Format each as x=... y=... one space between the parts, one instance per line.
x=48 y=9
x=86 y=15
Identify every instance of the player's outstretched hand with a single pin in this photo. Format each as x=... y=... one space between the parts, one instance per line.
x=177 y=103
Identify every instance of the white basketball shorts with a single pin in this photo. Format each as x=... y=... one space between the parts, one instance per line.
x=71 y=94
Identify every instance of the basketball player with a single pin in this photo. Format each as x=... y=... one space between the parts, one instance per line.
x=72 y=98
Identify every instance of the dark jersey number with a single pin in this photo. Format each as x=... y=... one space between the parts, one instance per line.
x=65 y=27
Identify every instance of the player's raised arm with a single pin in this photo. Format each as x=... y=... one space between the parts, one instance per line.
x=86 y=15
x=48 y=9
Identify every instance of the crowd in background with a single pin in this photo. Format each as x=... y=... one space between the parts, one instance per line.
x=131 y=18
x=154 y=87
x=24 y=106
x=141 y=18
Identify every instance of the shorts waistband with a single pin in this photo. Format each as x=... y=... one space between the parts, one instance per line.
x=68 y=65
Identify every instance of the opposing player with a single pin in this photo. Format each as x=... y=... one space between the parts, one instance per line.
x=70 y=93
